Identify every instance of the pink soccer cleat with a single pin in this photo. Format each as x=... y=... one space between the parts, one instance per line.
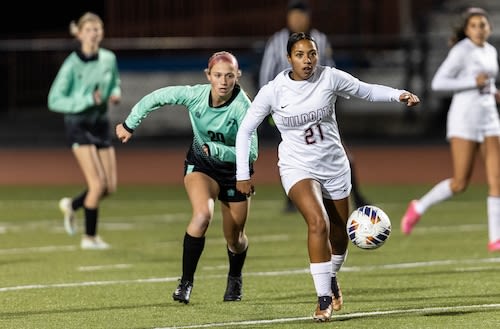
x=410 y=219
x=494 y=246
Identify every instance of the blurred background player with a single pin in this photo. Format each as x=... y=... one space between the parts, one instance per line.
x=216 y=111
x=86 y=82
x=313 y=164
x=469 y=72
x=274 y=60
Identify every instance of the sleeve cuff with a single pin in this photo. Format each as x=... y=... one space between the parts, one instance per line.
x=127 y=128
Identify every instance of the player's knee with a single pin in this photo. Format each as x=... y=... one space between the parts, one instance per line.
x=317 y=225
x=200 y=221
x=237 y=244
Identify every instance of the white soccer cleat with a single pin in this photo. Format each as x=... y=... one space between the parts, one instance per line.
x=69 y=215
x=93 y=243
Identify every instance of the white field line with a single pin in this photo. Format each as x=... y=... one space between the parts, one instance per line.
x=117 y=224
x=420 y=264
x=272 y=273
x=103 y=267
x=111 y=223
x=47 y=249
x=42 y=249
x=130 y=226
x=427 y=310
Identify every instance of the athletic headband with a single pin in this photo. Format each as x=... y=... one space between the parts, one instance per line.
x=222 y=56
x=475 y=11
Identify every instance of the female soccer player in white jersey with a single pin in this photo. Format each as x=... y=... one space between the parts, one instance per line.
x=313 y=165
x=216 y=111
x=469 y=71
x=274 y=60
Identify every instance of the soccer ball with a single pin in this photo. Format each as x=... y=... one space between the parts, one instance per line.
x=368 y=227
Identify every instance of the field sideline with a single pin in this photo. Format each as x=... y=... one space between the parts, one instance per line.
x=439 y=277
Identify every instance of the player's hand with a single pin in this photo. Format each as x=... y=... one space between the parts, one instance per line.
x=113 y=99
x=409 y=99
x=482 y=80
x=97 y=96
x=206 y=149
x=122 y=134
x=245 y=187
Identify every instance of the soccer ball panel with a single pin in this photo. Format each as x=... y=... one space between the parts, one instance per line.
x=368 y=227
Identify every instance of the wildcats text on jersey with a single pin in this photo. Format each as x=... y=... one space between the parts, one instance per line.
x=312 y=116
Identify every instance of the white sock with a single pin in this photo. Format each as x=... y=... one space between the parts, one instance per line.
x=322 y=277
x=440 y=192
x=337 y=262
x=493 y=218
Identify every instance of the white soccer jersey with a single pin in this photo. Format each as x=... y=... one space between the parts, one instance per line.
x=304 y=113
x=473 y=113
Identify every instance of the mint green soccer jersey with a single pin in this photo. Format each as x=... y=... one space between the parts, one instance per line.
x=73 y=88
x=215 y=127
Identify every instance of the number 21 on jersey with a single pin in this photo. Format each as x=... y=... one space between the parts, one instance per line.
x=312 y=134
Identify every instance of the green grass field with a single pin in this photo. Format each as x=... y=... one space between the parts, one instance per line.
x=439 y=277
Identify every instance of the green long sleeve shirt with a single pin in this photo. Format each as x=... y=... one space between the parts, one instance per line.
x=215 y=127
x=77 y=79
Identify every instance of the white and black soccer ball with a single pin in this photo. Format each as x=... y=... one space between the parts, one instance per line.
x=368 y=227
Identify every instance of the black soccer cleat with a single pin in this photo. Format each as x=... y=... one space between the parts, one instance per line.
x=233 y=289
x=183 y=291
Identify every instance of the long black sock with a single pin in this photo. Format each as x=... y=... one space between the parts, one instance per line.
x=236 y=262
x=77 y=201
x=359 y=200
x=193 y=247
x=90 y=221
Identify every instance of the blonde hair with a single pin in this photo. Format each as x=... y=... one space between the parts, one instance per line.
x=74 y=27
